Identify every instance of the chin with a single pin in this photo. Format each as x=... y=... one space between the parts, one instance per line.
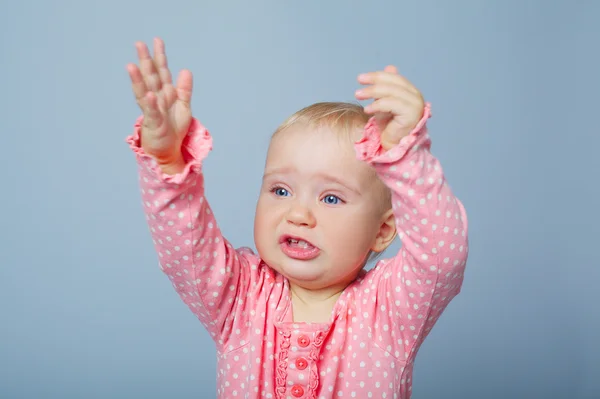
x=297 y=269
x=309 y=282
x=304 y=273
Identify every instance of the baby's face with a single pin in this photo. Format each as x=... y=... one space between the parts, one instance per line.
x=319 y=209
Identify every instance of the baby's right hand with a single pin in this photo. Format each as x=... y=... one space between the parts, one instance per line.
x=166 y=109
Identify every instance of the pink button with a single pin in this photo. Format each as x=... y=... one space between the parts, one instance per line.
x=303 y=341
x=301 y=363
x=297 y=391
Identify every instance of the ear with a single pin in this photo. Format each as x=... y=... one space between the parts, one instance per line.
x=386 y=233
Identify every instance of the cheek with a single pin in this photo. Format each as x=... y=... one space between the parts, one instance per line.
x=267 y=215
x=262 y=213
x=354 y=229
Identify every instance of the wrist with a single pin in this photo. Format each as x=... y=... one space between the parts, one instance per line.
x=172 y=167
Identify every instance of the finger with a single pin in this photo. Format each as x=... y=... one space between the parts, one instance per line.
x=390 y=69
x=382 y=90
x=385 y=78
x=160 y=61
x=389 y=72
x=147 y=67
x=169 y=94
x=152 y=114
x=392 y=105
x=137 y=82
x=184 y=86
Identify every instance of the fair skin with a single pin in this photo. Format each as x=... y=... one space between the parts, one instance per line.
x=302 y=229
x=315 y=190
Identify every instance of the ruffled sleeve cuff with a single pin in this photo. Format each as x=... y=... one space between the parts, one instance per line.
x=195 y=147
x=368 y=148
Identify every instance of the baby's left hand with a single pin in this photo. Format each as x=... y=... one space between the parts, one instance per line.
x=398 y=105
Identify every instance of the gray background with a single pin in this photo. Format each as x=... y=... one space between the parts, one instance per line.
x=84 y=309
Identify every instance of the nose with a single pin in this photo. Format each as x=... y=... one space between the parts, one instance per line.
x=301 y=215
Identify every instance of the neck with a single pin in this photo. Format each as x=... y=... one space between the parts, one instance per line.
x=313 y=306
x=315 y=297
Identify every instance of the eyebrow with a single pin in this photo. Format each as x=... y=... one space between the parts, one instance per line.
x=323 y=176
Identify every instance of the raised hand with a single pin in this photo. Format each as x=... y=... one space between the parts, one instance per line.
x=398 y=105
x=166 y=109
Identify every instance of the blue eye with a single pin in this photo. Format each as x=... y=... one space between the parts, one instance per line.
x=331 y=200
x=280 y=192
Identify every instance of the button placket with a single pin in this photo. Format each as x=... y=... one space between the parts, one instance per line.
x=301 y=364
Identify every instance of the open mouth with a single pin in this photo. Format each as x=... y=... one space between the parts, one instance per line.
x=298 y=243
x=298 y=248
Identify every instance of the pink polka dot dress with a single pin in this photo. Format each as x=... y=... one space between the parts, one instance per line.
x=368 y=347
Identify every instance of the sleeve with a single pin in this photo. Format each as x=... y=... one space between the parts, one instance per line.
x=416 y=285
x=210 y=276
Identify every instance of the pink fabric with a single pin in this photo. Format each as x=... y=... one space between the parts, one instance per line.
x=368 y=347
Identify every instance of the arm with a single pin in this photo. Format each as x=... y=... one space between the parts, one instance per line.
x=211 y=278
x=208 y=274
x=419 y=282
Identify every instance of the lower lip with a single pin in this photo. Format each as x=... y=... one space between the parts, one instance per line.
x=299 y=253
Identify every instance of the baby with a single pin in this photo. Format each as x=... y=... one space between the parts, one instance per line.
x=301 y=318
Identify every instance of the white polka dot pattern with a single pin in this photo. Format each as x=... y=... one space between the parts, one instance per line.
x=367 y=350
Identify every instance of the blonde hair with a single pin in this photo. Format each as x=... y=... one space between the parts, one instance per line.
x=343 y=117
